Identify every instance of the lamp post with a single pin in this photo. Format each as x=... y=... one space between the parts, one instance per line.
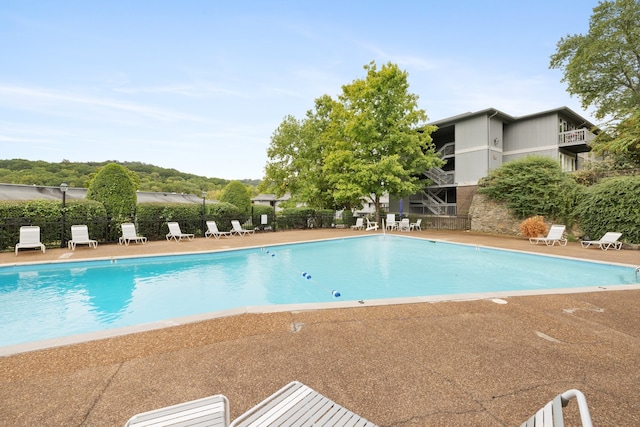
x=204 y=213
x=63 y=189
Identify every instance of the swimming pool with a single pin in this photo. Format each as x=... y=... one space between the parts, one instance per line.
x=61 y=299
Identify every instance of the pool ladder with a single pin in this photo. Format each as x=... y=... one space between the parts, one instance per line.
x=636 y=271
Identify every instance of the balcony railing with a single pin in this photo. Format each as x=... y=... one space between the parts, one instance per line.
x=575 y=137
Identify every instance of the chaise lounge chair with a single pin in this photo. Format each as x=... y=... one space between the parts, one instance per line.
x=359 y=224
x=130 y=234
x=294 y=404
x=609 y=240
x=237 y=228
x=176 y=234
x=209 y=411
x=551 y=414
x=30 y=238
x=212 y=230
x=297 y=404
x=371 y=225
x=80 y=236
x=555 y=235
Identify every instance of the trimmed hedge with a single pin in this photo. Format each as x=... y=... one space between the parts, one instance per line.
x=47 y=214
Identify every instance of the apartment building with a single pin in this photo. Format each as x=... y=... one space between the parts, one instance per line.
x=475 y=143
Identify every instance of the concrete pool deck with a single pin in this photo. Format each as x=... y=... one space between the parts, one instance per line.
x=446 y=363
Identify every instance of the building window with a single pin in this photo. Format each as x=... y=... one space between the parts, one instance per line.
x=567 y=162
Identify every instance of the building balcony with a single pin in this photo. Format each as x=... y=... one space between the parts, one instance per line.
x=576 y=141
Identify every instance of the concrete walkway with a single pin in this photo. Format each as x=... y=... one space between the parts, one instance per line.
x=450 y=363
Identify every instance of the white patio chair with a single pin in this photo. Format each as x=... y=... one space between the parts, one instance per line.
x=30 y=238
x=551 y=414
x=555 y=235
x=359 y=225
x=212 y=230
x=129 y=234
x=80 y=236
x=298 y=404
x=209 y=411
x=609 y=240
x=176 y=234
x=237 y=228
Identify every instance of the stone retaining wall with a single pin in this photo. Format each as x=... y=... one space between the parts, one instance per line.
x=488 y=216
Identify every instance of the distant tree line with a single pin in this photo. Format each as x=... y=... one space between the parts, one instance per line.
x=150 y=177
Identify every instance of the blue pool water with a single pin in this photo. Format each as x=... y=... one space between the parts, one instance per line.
x=53 y=300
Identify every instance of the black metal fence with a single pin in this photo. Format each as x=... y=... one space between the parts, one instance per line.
x=57 y=233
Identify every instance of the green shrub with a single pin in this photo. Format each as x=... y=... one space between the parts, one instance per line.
x=238 y=195
x=611 y=205
x=114 y=187
x=533 y=185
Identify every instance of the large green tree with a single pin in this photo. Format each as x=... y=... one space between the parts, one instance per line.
x=602 y=68
x=296 y=157
x=115 y=187
x=371 y=141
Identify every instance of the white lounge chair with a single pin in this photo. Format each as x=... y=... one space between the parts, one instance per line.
x=212 y=230
x=80 y=236
x=391 y=223
x=237 y=228
x=30 y=238
x=609 y=240
x=555 y=235
x=551 y=414
x=371 y=225
x=294 y=404
x=129 y=234
x=209 y=411
x=298 y=404
x=416 y=225
x=176 y=234
x=359 y=224
x=404 y=225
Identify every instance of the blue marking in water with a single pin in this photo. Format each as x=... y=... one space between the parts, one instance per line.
x=60 y=299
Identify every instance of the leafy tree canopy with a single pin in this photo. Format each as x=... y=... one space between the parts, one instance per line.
x=372 y=140
x=621 y=143
x=602 y=67
x=115 y=187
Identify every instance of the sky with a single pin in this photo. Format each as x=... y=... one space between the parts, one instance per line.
x=201 y=85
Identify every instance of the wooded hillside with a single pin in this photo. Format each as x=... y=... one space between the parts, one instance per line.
x=152 y=178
